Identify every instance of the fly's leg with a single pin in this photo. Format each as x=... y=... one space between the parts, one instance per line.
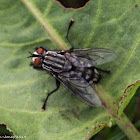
x=67 y=36
x=44 y=48
x=38 y=68
x=45 y=101
x=34 y=67
x=105 y=71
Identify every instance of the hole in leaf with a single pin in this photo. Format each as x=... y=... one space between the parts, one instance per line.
x=109 y=133
x=5 y=133
x=75 y=4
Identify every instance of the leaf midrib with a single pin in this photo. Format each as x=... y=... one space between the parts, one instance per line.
x=54 y=36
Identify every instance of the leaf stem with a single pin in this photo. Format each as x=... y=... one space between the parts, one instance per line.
x=128 y=128
x=123 y=122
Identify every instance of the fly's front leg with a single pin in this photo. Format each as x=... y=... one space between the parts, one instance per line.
x=67 y=36
x=35 y=67
x=45 y=101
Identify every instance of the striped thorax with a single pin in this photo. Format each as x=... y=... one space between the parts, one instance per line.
x=55 y=62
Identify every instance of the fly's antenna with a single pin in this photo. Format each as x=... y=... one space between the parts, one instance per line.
x=67 y=36
x=32 y=55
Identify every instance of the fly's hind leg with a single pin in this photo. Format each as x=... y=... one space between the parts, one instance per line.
x=45 y=101
x=105 y=71
x=67 y=36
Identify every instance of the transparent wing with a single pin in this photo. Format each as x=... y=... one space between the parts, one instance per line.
x=80 y=88
x=94 y=56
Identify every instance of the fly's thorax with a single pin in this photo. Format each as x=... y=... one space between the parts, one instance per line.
x=72 y=59
x=55 y=62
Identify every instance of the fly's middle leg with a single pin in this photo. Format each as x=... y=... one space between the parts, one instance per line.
x=45 y=101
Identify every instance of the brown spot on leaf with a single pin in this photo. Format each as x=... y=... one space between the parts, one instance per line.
x=127 y=126
x=75 y=114
x=64 y=115
x=70 y=112
x=136 y=6
x=109 y=110
x=78 y=108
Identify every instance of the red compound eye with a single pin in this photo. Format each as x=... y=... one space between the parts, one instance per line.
x=37 y=62
x=39 y=51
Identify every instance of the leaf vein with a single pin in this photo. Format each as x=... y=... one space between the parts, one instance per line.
x=95 y=25
x=134 y=46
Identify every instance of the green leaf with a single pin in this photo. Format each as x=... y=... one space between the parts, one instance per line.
x=27 y=23
x=128 y=94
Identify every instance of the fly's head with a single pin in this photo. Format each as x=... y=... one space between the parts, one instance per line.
x=37 y=56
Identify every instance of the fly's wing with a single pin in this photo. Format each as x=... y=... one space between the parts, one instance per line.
x=94 y=56
x=79 y=87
